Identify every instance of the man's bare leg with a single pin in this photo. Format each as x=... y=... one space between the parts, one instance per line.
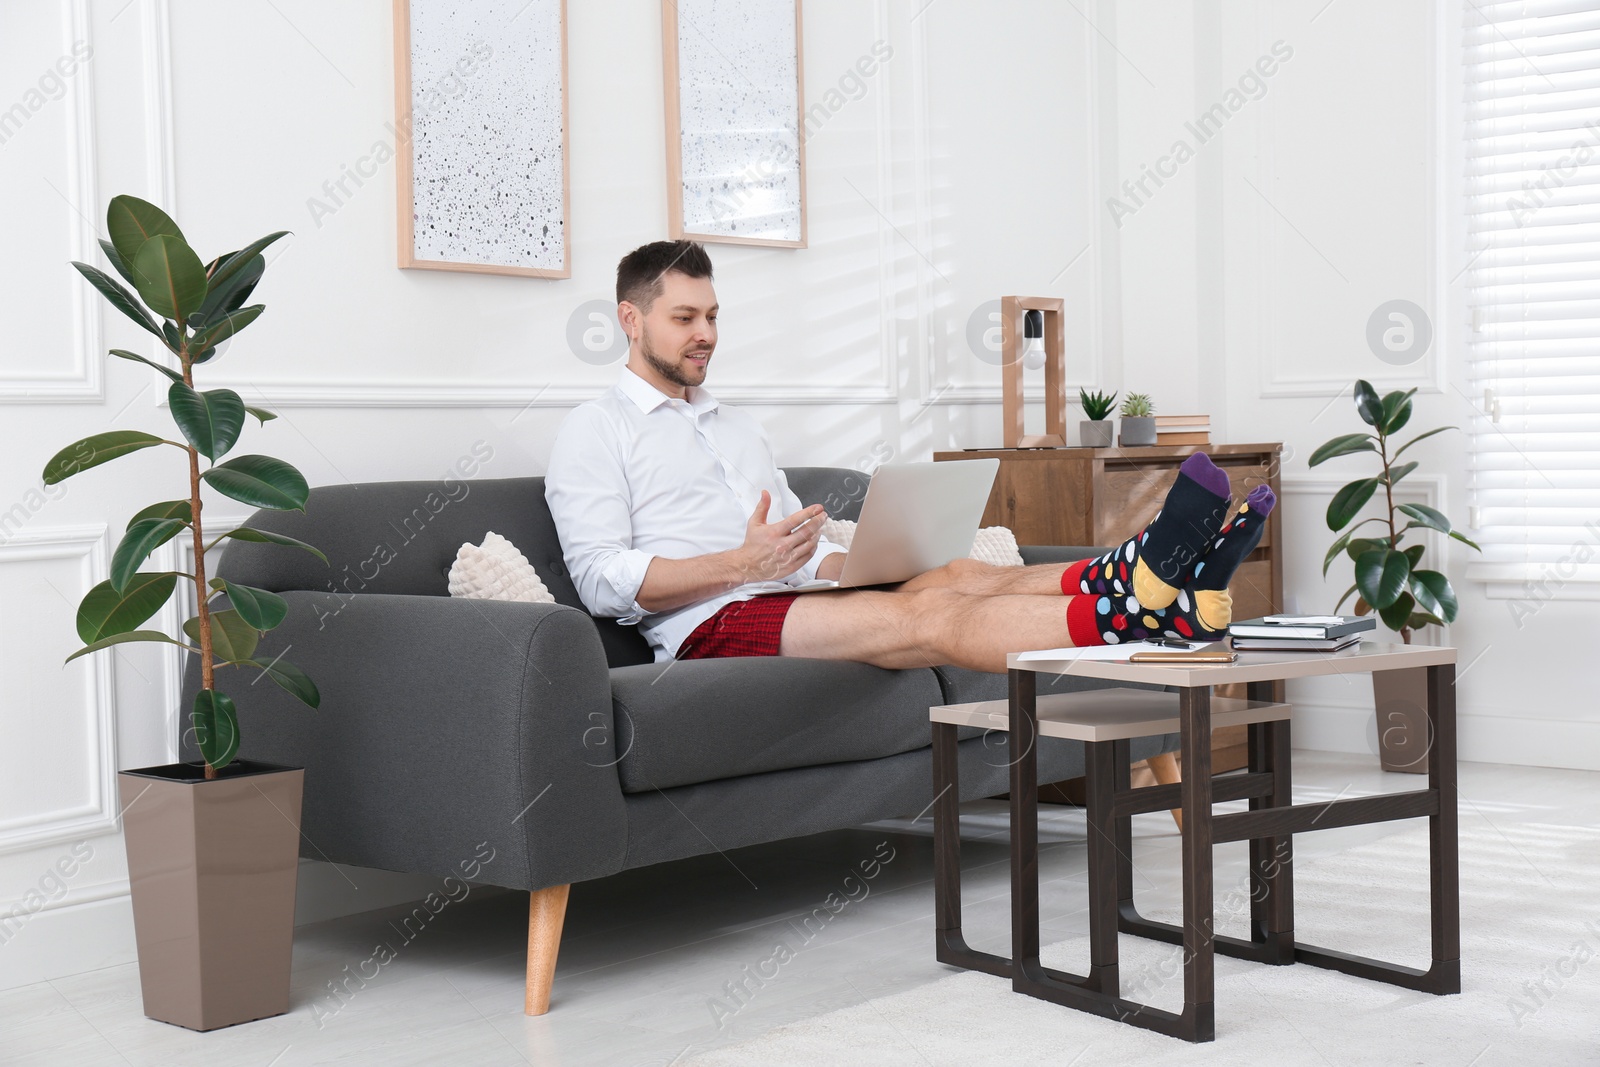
x=985 y=579
x=924 y=627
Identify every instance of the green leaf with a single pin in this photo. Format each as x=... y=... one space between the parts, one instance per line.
x=262 y=537
x=122 y=639
x=131 y=222
x=1381 y=576
x=1333 y=553
x=259 y=608
x=106 y=612
x=232 y=639
x=118 y=264
x=212 y=421
x=1396 y=410
x=168 y=371
x=1398 y=614
x=119 y=297
x=216 y=727
x=1343 y=598
x=1435 y=594
x=1343 y=446
x=263 y=416
x=1360 y=546
x=1425 y=516
x=1464 y=540
x=142 y=538
x=171 y=278
x=1414 y=555
x=230 y=266
x=167 y=509
x=230 y=324
x=1396 y=473
x=230 y=293
x=292 y=680
x=1368 y=406
x=260 y=481
x=93 y=451
x=1348 y=501
x=1420 y=619
x=1420 y=437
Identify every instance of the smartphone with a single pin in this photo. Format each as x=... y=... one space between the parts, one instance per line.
x=1219 y=656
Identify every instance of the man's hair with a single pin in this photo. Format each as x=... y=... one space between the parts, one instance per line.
x=639 y=275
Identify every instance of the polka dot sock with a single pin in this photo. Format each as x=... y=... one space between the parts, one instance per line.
x=1154 y=563
x=1201 y=611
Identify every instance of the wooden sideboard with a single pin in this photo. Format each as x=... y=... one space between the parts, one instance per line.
x=1103 y=496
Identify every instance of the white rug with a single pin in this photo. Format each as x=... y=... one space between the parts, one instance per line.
x=1530 y=937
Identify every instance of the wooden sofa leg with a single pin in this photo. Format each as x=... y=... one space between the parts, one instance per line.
x=1165 y=768
x=547 y=910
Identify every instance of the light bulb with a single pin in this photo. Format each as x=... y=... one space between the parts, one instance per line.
x=1033 y=339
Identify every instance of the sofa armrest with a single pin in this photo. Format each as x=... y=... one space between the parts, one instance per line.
x=444 y=724
x=1032 y=554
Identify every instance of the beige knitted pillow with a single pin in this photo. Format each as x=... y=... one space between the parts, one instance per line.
x=495 y=570
x=994 y=544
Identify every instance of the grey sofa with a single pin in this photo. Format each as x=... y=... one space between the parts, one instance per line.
x=552 y=735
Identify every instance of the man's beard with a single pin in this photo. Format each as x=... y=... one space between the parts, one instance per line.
x=675 y=373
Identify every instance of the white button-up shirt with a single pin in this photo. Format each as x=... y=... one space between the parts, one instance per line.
x=636 y=474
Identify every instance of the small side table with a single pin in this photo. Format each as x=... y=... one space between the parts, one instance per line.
x=1269 y=827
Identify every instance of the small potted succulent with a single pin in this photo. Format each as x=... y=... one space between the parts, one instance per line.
x=1095 y=431
x=1138 y=420
x=1390 y=580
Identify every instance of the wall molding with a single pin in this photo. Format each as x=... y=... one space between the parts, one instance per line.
x=937 y=389
x=1429 y=373
x=86 y=384
x=89 y=546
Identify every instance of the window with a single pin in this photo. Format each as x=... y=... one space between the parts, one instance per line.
x=1532 y=185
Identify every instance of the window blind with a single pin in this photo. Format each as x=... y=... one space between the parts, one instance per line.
x=1532 y=184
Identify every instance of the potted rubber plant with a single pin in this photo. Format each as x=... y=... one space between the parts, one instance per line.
x=1094 y=431
x=1389 y=576
x=212 y=847
x=1138 y=420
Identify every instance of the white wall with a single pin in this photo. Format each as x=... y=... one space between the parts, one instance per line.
x=978 y=161
x=923 y=207
x=1329 y=195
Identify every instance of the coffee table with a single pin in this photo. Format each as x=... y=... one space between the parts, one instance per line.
x=1269 y=826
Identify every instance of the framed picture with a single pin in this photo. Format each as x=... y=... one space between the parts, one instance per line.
x=481 y=136
x=736 y=159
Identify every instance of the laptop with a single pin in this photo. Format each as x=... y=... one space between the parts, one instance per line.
x=917 y=516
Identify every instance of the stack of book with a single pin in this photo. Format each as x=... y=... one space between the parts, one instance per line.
x=1300 y=633
x=1183 y=429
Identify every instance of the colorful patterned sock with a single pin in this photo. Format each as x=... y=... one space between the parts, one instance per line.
x=1202 y=610
x=1154 y=563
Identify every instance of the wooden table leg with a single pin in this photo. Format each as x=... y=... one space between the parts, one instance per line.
x=1199 y=960
x=1024 y=751
x=1103 y=972
x=1443 y=841
x=950 y=946
x=1271 y=858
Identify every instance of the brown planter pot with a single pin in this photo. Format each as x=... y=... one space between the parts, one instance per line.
x=1401 y=701
x=212 y=866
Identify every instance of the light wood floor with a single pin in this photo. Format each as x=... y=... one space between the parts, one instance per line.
x=649 y=956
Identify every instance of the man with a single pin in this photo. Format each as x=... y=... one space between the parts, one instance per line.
x=664 y=501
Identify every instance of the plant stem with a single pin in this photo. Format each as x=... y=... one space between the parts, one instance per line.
x=207 y=671
x=1388 y=493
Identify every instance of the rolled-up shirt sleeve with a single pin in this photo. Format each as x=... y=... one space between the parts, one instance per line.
x=587 y=489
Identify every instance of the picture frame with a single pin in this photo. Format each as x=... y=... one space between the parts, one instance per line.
x=460 y=205
x=735 y=52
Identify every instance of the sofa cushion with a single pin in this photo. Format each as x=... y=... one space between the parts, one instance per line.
x=689 y=721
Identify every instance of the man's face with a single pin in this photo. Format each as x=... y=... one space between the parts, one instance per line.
x=678 y=334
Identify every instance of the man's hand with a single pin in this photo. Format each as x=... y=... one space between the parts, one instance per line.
x=776 y=550
x=770 y=551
